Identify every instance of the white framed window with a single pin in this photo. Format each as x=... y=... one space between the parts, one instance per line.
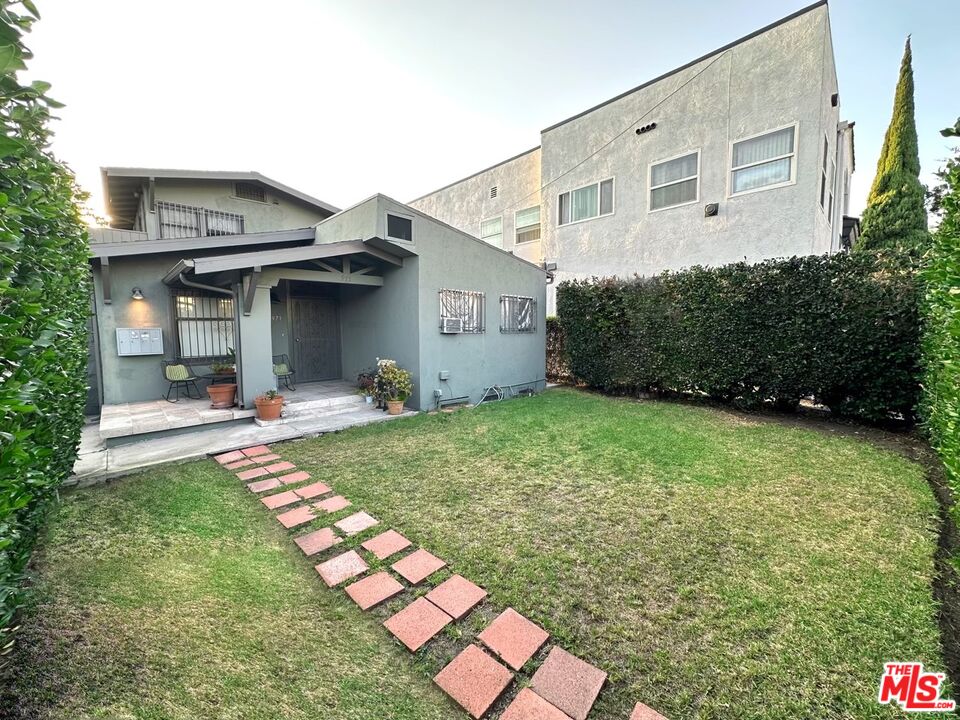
x=518 y=314
x=674 y=181
x=823 y=175
x=467 y=305
x=586 y=203
x=491 y=231
x=527 y=224
x=399 y=227
x=764 y=161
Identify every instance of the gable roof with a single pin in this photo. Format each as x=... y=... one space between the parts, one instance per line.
x=728 y=46
x=116 y=180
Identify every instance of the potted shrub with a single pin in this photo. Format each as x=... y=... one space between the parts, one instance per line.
x=228 y=367
x=269 y=405
x=222 y=395
x=394 y=383
x=366 y=385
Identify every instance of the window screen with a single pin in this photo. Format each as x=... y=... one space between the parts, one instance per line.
x=468 y=305
x=249 y=191
x=399 y=228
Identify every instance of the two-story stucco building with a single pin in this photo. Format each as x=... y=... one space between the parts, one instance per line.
x=740 y=154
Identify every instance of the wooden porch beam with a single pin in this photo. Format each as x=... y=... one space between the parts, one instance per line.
x=274 y=275
x=250 y=289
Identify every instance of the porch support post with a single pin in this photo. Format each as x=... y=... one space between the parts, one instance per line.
x=255 y=359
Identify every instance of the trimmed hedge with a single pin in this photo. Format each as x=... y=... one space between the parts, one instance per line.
x=44 y=296
x=558 y=369
x=941 y=342
x=843 y=329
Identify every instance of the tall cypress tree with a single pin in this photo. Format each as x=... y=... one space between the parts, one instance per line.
x=895 y=216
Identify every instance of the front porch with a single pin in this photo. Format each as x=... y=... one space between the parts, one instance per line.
x=128 y=422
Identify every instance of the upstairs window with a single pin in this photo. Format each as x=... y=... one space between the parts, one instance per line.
x=675 y=181
x=527 y=223
x=204 y=325
x=491 y=231
x=249 y=191
x=467 y=305
x=587 y=202
x=764 y=161
x=518 y=314
x=185 y=221
x=831 y=188
x=399 y=228
x=823 y=176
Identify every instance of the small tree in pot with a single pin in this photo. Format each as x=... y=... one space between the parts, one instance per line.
x=394 y=384
x=269 y=405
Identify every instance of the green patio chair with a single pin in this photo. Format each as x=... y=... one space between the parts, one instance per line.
x=179 y=375
x=284 y=372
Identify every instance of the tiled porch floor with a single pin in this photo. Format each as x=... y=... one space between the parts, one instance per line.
x=158 y=415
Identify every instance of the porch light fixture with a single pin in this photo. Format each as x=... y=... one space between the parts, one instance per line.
x=137 y=294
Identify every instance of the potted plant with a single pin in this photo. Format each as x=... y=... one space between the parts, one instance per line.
x=394 y=383
x=222 y=395
x=366 y=385
x=228 y=367
x=269 y=405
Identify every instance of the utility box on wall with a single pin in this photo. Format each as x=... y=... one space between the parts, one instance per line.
x=139 y=341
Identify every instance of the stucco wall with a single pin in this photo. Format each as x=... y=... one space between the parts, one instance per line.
x=279 y=212
x=467 y=203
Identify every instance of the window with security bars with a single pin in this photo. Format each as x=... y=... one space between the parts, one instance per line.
x=467 y=305
x=204 y=324
x=184 y=221
x=518 y=314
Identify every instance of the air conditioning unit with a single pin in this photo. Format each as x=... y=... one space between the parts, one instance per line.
x=451 y=325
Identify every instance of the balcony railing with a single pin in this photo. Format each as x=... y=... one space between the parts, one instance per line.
x=185 y=221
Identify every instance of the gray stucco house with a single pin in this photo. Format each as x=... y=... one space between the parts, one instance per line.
x=197 y=263
x=739 y=154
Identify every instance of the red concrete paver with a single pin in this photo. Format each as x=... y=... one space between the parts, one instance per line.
x=513 y=637
x=311 y=491
x=568 y=682
x=417 y=622
x=456 y=596
x=642 y=712
x=297 y=516
x=314 y=542
x=261 y=459
x=356 y=523
x=418 y=566
x=332 y=504
x=239 y=464
x=296 y=477
x=374 y=590
x=229 y=457
x=527 y=705
x=386 y=544
x=280 y=467
x=259 y=486
x=280 y=499
x=474 y=679
x=255 y=450
x=252 y=473
x=342 y=567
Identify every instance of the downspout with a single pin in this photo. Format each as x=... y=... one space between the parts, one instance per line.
x=236 y=325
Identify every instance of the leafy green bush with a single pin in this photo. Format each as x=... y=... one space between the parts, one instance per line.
x=558 y=369
x=941 y=341
x=843 y=329
x=44 y=297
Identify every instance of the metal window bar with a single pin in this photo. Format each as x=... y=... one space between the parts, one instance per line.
x=518 y=314
x=205 y=325
x=468 y=305
x=184 y=221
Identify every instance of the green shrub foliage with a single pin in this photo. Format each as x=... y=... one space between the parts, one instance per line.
x=44 y=298
x=557 y=367
x=895 y=216
x=941 y=342
x=843 y=329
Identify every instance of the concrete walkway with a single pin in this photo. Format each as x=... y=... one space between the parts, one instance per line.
x=97 y=463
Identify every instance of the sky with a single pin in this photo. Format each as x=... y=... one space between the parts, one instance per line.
x=345 y=99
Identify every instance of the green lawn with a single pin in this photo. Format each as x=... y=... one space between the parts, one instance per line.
x=714 y=565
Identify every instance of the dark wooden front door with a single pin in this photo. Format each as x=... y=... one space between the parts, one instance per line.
x=316 y=338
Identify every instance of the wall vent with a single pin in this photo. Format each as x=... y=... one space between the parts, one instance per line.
x=493 y=192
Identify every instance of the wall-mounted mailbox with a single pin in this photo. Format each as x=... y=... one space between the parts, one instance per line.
x=139 y=341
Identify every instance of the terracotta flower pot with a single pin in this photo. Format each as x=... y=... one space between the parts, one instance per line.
x=222 y=395
x=394 y=407
x=269 y=409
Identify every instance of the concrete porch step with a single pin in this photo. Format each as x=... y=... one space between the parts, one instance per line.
x=299 y=408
